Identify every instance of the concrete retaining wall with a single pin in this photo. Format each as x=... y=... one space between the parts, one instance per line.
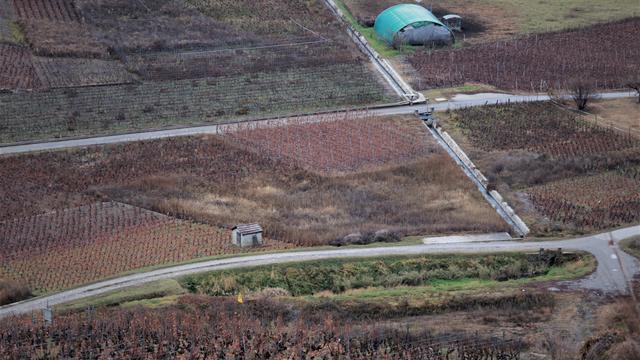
x=495 y=199
x=388 y=72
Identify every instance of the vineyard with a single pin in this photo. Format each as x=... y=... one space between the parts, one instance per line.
x=599 y=201
x=105 y=109
x=238 y=61
x=5 y=21
x=574 y=172
x=174 y=63
x=53 y=10
x=540 y=128
x=603 y=55
x=338 y=144
x=75 y=246
x=70 y=72
x=16 y=68
x=199 y=327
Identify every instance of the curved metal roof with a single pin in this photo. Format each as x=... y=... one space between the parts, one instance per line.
x=395 y=18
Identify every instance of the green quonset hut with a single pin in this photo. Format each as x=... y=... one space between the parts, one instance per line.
x=412 y=24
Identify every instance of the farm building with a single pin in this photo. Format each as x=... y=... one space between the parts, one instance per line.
x=411 y=24
x=246 y=235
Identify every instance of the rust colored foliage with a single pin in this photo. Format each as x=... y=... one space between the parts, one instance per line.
x=67 y=248
x=201 y=327
x=604 y=55
x=340 y=144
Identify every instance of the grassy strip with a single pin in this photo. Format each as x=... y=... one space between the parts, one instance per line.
x=443 y=288
x=370 y=34
x=156 y=293
x=631 y=246
x=434 y=292
x=341 y=275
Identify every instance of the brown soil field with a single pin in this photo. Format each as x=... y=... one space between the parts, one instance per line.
x=17 y=69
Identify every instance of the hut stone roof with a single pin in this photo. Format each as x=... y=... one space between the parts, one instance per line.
x=246 y=229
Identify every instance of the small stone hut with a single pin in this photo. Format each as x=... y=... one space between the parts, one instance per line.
x=246 y=235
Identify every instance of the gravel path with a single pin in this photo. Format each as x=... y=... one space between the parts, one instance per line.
x=609 y=277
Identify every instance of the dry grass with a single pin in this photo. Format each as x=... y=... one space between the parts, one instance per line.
x=620 y=114
x=618 y=332
x=425 y=197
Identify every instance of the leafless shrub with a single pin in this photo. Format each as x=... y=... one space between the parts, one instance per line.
x=582 y=92
x=634 y=84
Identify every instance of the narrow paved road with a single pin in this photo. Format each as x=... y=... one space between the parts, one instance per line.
x=456 y=102
x=609 y=277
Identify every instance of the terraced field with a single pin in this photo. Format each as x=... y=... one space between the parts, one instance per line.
x=107 y=109
x=54 y=10
x=16 y=68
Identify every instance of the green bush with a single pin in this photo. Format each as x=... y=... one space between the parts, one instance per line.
x=341 y=275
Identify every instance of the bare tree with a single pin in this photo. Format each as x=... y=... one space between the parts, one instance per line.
x=634 y=84
x=582 y=92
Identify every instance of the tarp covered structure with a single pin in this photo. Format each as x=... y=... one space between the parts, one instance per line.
x=412 y=24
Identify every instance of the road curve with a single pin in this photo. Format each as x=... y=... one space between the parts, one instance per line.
x=609 y=277
x=458 y=101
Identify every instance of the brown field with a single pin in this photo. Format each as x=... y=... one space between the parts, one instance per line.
x=622 y=115
x=325 y=147
x=561 y=172
x=70 y=72
x=53 y=10
x=211 y=180
x=66 y=248
x=603 y=55
x=17 y=70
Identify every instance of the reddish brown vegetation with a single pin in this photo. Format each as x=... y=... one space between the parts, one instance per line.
x=542 y=144
x=220 y=328
x=37 y=183
x=75 y=246
x=16 y=68
x=600 y=201
x=340 y=144
x=542 y=128
x=604 y=55
x=56 y=10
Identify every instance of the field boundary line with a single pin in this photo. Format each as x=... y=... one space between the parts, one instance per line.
x=386 y=70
